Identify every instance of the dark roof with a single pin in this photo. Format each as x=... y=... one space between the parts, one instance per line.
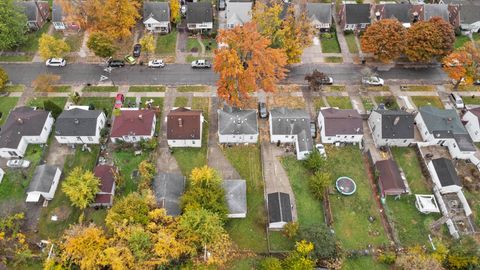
x=57 y=11
x=402 y=12
x=199 y=12
x=133 y=122
x=29 y=8
x=42 y=179
x=102 y=199
x=168 y=188
x=77 y=122
x=22 y=121
x=107 y=177
x=342 y=122
x=435 y=10
x=397 y=124
x=292 y=122
x=236 y=196
x=469 y=14
x=390 y=178
x=159 y=11
x=357 y=13
x=184 y=124
x=320 y=11
x=279 y=207
x=446 y=172
x=475 y=111
x=237 y=121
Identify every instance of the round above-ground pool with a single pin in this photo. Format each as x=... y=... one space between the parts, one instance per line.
x=345 y=185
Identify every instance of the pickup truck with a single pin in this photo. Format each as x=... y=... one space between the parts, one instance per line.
x=201 y=64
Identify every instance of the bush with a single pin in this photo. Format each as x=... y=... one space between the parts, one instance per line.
x=3 y=78
x=315 y=162
x=290 y=229
x=52 y=107
x=319 y=182
x=326 y=35
x=326 y=246
x=270 y=263
x=388 y=257
x=348 y=32
x=149 y=144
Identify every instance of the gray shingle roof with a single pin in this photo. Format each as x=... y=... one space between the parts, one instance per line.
x=22 y=121
x=29 y=8
x=159 y=11
x=57 y=12
x=239 y=13
x=435 y=10
x=292 y=122
x=402 y=12
x=357 y=13
x=236 y=196
x=279 y=207
x=320 y=11
x=446 y=172
x=397 y=124
x=342 y=122
x=168 y=188
x=237 y=121
x=469 y=14
x=77 y=122
x=42 y=178
x=199 y=12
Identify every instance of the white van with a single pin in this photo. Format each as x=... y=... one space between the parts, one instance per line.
x=457 y=101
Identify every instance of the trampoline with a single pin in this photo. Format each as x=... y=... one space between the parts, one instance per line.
x=345 y=185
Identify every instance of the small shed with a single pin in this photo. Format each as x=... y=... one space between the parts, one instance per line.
x=444 y=175
x=279 y=210
x=106 y=174
x=236 y=196
x=44 y=183
x=168 y=188
x=390 y=179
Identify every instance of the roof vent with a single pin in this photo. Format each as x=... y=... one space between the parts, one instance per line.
x=76 y=121
x=397 y=119
x=20 y=120
x=180 y=122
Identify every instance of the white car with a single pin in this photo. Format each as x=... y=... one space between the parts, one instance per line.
x=18 y=163
x=56 y=62
x=157 y=63
x=321 y=149
x=373 y=81
x=201 y=63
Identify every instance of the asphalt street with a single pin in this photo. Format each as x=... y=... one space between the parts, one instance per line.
x=181 y=74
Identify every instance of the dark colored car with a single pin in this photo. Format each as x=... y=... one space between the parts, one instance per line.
x=262 y=110
x=137 y=49
x=116 y=63
x=313 y=129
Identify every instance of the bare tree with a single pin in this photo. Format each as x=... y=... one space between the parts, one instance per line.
x=316 y=80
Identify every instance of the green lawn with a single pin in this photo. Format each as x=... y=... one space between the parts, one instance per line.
x=340 y=102
x=333 y=59
x=100 y=103
x=318 y=103
x=100 y=89
x=249 y=233
x=335 y=88
x=471 y=100
x=14 y=88
x=419 y=88
x=181 y=102
x=62 y=88
x=6 y=104
x=352 y=45
x=474 y=201
x=427 y=101
x=460 y=41
x=377 y=88
x=367 y=103
x=193 y=45
x=243 y=263
x=209 y=42
x=127 y=162
x=141 y=88
x=166 y=44
x=279 y=242
x=193 y=88
x=389 y=101
x=38 y=101
x=30 y=46
x=407 y=160
x=330 y=45
x=365 y=262
x=75 y=41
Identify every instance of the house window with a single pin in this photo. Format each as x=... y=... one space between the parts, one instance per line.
x=12 y=153
x=293 y=137
x=286 y=136
x=193 y=142
x=353 y=137
x=251 y=137
x=233 y=137
x=404 y=141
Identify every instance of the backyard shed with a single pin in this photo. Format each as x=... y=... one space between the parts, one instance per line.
x=279 y=210
x=44 y=183
x=236 y=197
x=390 y=178
x=444 y=175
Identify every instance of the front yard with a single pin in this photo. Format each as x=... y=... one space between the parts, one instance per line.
x=433 y=101
x=166 y=44
x=99 y=103
x=141 y=88
x=340 y=102
x=38 y=101
x=28 y=49
x=329 y=43
x=352 y=45
x=6 y=105
x=389 y=102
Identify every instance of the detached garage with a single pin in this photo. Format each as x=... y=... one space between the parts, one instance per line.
x=44 y=183
x=390 y=178
x=279 y=210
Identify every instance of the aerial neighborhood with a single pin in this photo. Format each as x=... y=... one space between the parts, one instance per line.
x=240 y=134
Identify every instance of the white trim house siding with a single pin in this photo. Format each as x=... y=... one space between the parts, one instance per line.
x=472 y=126
x=101 y=121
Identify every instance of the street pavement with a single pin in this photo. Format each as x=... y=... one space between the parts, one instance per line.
x=181 y=74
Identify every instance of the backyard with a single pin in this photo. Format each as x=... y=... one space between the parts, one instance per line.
x=127 y=163
x=433 y=101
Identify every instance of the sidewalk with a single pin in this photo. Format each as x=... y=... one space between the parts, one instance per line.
x=347 y=57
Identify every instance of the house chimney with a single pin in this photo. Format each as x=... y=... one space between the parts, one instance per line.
x=377 y=15
x=180 y=122
x=20 y=120
x=397 y=119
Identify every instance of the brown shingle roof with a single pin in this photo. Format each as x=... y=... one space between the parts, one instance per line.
x=184 y=124
x=342 y=122
x=106 y=176
x=133 y=122
x=389 y=177
x=103 y=198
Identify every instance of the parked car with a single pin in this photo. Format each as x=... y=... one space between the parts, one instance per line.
x=313 y=129
x=130 y=59
x=157 y=63
x=327 y=81
x=18 y=163
x=116 y=63
x=321 y=150
x=137 y=49
x=183 y=10
x=222 y=5
x=262 y=110
x=477 y=82
x=201 y=63
x=55 y=62
x=119 y=99
x=457 y=101
x=373 y=81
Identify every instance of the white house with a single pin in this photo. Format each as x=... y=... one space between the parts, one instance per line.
x=279 y=210
x=156 y=17
x=133 y=125
x=199 y=16
x=44 y=183
x=444 y=175
x=79 y=126
x=354 y=16
x=320 y=15
x=238 y=13
x=444 y=127
x=392 y=128
x=472 y=119
x=237 y=126
x=336 y=125
x=291 y=126
x=106 y=174
x=24 y=125
x=236 y=197
x=184 y=128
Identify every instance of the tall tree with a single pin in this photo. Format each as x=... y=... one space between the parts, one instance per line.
x=316 y=80
x=3 y=78
x=423 y=42
x=269 y=21
x=13 y=25
x=175 y=11
x=101 y=44
x=296 y=34
x=129 y=210
x=51 y=47
x=45 y=82
x=326 y=246
x=446 y=32
x=148 y=43
x=385 y=39
x=117 y=257
x=52 y=107
x=119 y=17
x=463 y=65
x=80 y=186
x=246 y=64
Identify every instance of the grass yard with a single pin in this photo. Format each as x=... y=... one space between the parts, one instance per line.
x=249 y=233
x=38 y=101
x=427 y=101
x=383 y=88
x=469 y=88
x=318 y=103
x=100 y=89
x=471 y=100
x=460 y=41
x=193 y=88
x=474 y=201
x=209 y=43
x=166 y=44
x=127 y=162
x=141 y=88
x=352 y=45
x=181 y=102
x=105 y=103
x=417 y=88
x=407 y=160
x=30 y=46
x=340 y=102
x=350 y=213
x=333 y=59
x=389 y=101
x=62 y=88
x=14 y=88
x=365 y=262
x=330 y=45
x=243 y=263
x=367 y=103
x=334 y=88
x=74 y=41
x=279 y=242
x=6 y=105
x=193 y=45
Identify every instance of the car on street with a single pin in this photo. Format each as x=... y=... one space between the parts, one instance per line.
x=313 y=129
x=55 y=62
x=137 y=49
x=157 y=63
x=18 y=163
x=373 y=81
x=457 y=100
x=119 y=99
x=130 y=59
x=326 y=80
x=116 y=63
x=262 y=110
x=201 y=63
x=321 y=150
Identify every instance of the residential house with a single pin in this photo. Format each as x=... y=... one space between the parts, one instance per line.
x=354 y=16
x=168 y=189
x=279 y=210
x=60 y=20
x=156 y=17
x=391 y=180
x=337 y=125
x=435 y=10
x=291 y=126
x=444 y=175
x=37 y=13
x=133 y=125
x=320 y=15
x=444 y=127
x=44 y=183
x=184 y=128
x=392 y=128
x=404 y=13
x=237 y=125
x=470 y=18
x=106 y=174
x=24 y=125
x=236 y=197
x=199 y=16
x=472 y=123
x=79 y=126
x=238 y=13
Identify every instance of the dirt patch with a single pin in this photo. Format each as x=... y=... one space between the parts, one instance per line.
x=288 y=89
x=286 y=101
x=468 y=174
x=61 y=212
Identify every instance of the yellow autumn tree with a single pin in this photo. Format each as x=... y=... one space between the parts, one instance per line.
x=119 y=18
x=175 y=11
x=51 y=47
x=148 y=43
x=80 y=186
x=295 y=35
x=268 y=21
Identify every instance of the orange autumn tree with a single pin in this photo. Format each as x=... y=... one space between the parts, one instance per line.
x=423 y=42
x=246 y=64
x=463 y=65
x=385 y=39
